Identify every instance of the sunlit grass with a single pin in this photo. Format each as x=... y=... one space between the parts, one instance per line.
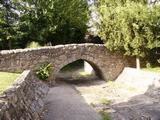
x=6 y=79
x=105 y=101
x=104 y=115
x=73 y=66
x=83 y=73
x=154 y=69
x=33 y=45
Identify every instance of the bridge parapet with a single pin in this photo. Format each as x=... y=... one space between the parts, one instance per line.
x=106 y=64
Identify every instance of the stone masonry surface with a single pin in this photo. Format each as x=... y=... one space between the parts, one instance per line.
x=107 y=65
x=24 y=99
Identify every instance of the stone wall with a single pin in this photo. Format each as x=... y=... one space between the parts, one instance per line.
x=24 y=99
x=106 y=64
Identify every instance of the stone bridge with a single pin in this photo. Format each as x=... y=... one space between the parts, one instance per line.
x=107 y=65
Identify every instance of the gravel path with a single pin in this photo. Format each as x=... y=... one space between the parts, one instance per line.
x=135 y=95
x=65 y=103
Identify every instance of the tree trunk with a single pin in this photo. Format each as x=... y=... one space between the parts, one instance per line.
x=138 y=63
x=9 y=44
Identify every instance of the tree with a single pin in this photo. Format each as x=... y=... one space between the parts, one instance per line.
x=42 y=21
x=55 y=21
x=129 y=26
x=8 y=18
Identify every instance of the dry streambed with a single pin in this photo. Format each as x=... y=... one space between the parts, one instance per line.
x=137 y=98
x=134 y=95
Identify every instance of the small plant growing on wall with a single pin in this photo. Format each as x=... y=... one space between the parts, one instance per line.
x=44 y=71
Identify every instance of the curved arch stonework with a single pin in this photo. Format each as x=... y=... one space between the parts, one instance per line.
x=107 y=64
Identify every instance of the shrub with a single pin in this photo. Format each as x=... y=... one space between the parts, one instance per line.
x=44 y=71
x=105 y=115
x=148 y=65
x=33 y=45
x=158 y=60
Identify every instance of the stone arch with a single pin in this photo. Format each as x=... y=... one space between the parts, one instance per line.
x=96 y=69
x=106 y=70
x=108 y=64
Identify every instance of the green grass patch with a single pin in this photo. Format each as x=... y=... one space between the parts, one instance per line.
x=154 y=69
x=33 y=45
x=104 y=115
x=73 y=66
x=6 y=79
x=84 y=74
x=105 y=101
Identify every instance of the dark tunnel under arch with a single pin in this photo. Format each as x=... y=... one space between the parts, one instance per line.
x=77 y=64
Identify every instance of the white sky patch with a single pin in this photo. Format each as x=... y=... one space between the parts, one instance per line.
x=90 y=2
x=151 y=1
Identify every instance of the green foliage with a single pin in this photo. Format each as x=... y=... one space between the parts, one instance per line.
x=158 y=60
x=8 y=28
x=105 y=101
x=42 y=21
x=148 y=65
x=152 y=57
x=33 y=45
x=105 y=115
x=130 y=26
x=73 y=66
x=44 y=71
x=153 y=69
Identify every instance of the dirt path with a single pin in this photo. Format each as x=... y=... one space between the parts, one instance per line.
x=120 y=101
x=80 y=101
x=65 y=103
x=135 y=95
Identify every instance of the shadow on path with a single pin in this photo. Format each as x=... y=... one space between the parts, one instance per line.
x=141 y=107
x=65 y=103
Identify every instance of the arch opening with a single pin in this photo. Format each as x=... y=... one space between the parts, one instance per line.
x=80 y=70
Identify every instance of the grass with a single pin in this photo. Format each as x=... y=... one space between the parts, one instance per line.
x=33 y=45
x=84 y=74
x=105 y=101
x=104 y=115
x=154 y=69
x=6 y=79
x=73 y=66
